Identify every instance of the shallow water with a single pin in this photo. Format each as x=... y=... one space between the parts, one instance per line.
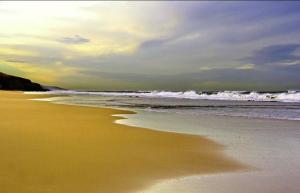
x=271 y=146
x=254 y=109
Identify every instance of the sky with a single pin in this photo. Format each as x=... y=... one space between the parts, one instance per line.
x=199 y=45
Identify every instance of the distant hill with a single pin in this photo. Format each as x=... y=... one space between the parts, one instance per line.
x=53 y=88
x=8 y=82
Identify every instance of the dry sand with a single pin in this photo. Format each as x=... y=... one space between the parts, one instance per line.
x=51 y=148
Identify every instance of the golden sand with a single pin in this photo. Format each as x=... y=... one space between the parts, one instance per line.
x=51 y=148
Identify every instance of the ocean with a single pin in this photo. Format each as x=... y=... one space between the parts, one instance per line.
x=260 y=129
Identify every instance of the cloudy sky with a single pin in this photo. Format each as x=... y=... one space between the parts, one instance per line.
x=153 y=45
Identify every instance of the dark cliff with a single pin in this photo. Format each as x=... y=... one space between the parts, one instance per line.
x=8 y=82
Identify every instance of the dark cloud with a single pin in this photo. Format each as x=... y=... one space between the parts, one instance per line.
x=73 y=40
x=232 y=79
x=275 y=55
x=16 y=61
x=237 y=22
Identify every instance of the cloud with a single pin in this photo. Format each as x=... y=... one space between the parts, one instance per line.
x=214 y=79
x=275 y=55
x=153 y=43
x=188 y=38
x=42 y=74
x=74 y=40
x=157 y=43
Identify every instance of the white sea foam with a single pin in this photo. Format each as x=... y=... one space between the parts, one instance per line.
x=290 y=96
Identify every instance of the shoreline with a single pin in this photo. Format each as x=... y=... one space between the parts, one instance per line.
x=63 y=148
x=54 y=99
x=261 y=143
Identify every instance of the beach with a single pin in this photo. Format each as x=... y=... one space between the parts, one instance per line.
x=149 y=97
x=261 y=134
x=55 y=148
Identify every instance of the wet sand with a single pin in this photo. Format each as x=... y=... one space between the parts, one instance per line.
x=53 y=148
x=270 y=146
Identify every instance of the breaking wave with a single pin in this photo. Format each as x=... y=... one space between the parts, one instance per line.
x=288 y=96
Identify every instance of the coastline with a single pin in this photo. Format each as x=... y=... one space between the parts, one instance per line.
x=264 y=144
x=59 y=148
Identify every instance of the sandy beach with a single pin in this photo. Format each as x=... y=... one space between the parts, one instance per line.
x=52 y=148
